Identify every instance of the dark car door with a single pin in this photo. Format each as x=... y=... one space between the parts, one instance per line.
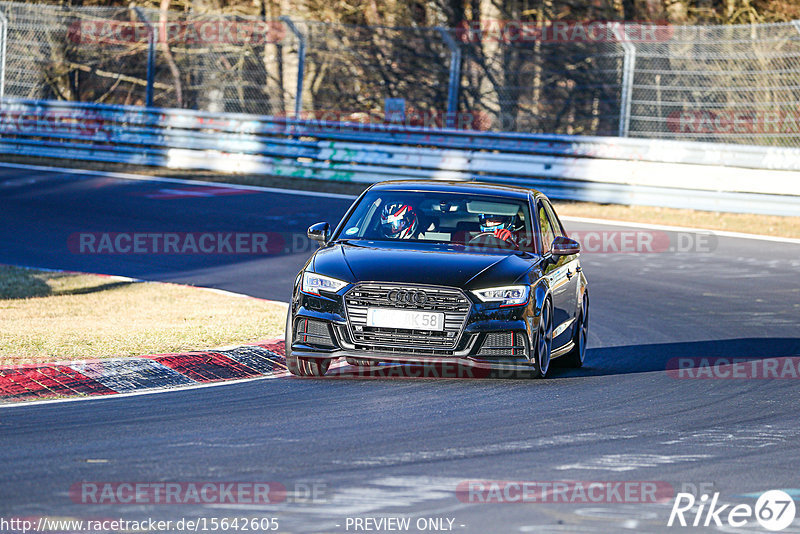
x=560 y=272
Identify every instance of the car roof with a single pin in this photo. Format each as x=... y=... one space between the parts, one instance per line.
x=509 y=191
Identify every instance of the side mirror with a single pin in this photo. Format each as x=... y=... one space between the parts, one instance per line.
x=319 y=232
x=564 y=246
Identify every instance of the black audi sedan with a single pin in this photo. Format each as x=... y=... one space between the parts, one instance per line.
x=429 y=272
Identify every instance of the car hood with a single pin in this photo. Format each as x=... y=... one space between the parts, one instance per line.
x=433 y=266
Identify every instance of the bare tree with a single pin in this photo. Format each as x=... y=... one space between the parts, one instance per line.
x=163 y=24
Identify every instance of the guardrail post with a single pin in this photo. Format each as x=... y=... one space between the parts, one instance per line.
x=151 y=55
x=454 y=81
x=301 y=63
x=3 y=39
x=628 y=71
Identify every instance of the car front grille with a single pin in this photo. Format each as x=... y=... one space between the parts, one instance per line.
x=450 y=301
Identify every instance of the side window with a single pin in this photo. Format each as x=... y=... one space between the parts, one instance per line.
x=545 y=227
x=555 y=222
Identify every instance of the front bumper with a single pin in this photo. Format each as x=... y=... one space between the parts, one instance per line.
x=491 y=337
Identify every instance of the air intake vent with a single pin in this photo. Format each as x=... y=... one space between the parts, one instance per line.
x=504 y=344
x=311 y=332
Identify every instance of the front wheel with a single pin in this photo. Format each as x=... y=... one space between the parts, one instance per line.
x=360 y=363
x=302 y=366
x=576 y=356
x=292 y=362
x=544 y=340
x=314 y=366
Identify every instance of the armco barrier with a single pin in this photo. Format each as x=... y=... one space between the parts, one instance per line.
x=600 y=169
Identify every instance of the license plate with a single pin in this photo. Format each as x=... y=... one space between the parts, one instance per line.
x=411 y=320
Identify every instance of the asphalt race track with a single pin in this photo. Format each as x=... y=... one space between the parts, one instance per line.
x=386 y=447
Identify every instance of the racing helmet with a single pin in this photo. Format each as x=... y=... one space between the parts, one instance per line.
x=398 y=220
x=490 y=222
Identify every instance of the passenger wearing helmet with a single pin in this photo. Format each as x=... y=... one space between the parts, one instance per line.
x=498 y=226
x=399 y=221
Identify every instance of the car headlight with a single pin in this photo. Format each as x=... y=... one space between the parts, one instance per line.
x=506 y=295
x=313 y=283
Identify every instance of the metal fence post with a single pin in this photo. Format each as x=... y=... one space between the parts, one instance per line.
x=151 y=56
x=301 y=63
x=628 y=71
x=454 y=81
x=3 y=39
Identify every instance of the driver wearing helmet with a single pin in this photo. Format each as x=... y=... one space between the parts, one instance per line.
x=498 y=226
x=399 y=221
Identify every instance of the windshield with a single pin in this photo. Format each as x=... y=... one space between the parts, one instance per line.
x=441 y=217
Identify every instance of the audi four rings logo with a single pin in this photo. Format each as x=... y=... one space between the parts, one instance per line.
x=407 y=296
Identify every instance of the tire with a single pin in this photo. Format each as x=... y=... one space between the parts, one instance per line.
x=302 y=366
x=292 y=363
x=314 y=366
x=544 y=340
x=577 y=355
x=360 y=363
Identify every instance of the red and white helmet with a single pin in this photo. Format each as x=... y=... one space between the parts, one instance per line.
x=398 y=220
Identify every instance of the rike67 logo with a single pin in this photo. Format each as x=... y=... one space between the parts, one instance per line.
x=774 y=510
